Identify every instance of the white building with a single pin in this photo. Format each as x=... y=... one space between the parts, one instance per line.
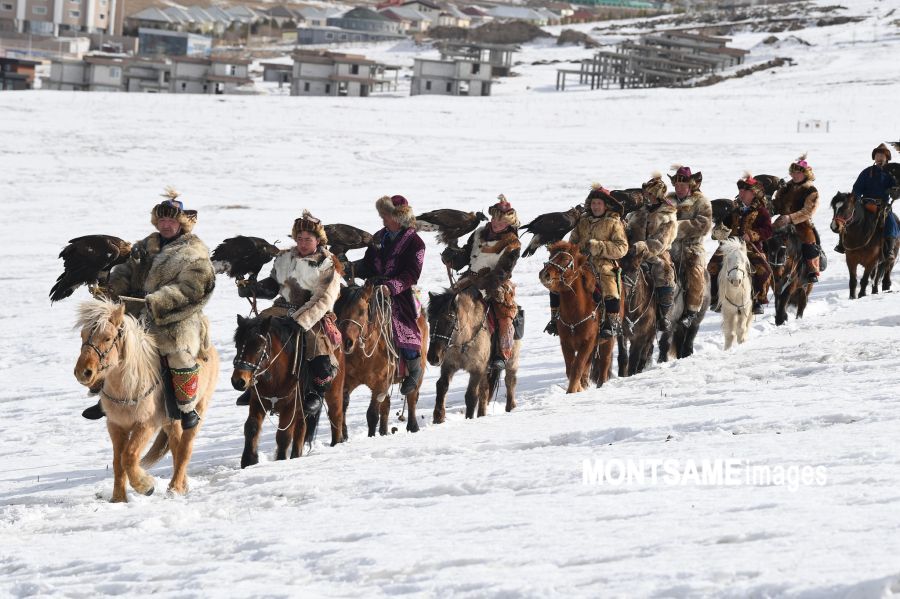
x=450 y=78
x=92 y=73
x=50 y=17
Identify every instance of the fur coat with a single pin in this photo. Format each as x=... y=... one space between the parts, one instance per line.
x=753 y=221
x=494 y=256
x=694 y=223
x=602 y=238
x=652 y=229
x=176 y=280
x=796 y=200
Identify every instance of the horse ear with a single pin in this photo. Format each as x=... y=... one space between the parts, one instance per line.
x=118 y=315
x=241 y=320
x=266 y=325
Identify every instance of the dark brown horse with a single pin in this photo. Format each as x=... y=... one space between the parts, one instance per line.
x=364 y=317
x=861 y=232
x=587 y=357
x=267 y=360
x=678 y=341
x=461 y=340
x=639 y=324
x=789 y=284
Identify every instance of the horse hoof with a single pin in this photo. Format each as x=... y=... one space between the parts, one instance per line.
x=412 y=426
x=115 y=499
x=149 y=492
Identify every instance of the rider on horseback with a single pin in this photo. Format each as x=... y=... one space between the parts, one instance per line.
x=874 y=188
x=171 y=271
x=752 y=223
x=651 y=230
x=491 y=253
x=796 y=202
x=599 y=233
x=687 y=251
x=305 y=286
x=394 y=261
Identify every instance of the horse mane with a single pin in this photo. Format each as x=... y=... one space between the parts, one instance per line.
x=349 y=295
x=139 y=356
x=839 y=196
x=438 y=303
x=571 y=248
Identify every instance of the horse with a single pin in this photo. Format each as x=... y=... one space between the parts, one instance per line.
x=639 y=322
x=587 y=357
x=266 y=359
x=735 y=291
x=120 y=359
x=789 y=284
x=461 y=340
x=364 y=318
x=861 y=232
x=678 y=341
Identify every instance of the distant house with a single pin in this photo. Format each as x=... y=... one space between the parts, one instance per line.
x=365 y=20
x=92 y=73
x=450 y=78
x=322 y=73
x=477 y=16
x=518 y=13
x=410 y=20
x=148 y=75
x=155 y=42
x=356 y=25
x=277 y=72
x=454 y=17
x=17 y=73
x=431 y=10
x=216 y=75
x=499 y=56
x=152 y=18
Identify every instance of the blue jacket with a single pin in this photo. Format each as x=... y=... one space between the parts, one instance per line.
x=873 y=182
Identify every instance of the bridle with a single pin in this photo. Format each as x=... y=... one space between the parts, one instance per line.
x=563 y=269
x=630 y=284
x=102 y=354
x=454 y=329
x=262 y=356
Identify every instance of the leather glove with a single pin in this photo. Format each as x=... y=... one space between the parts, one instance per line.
x=782 y=221
x=245 y=288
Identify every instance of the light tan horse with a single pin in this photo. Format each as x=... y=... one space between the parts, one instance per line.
x=119 y=359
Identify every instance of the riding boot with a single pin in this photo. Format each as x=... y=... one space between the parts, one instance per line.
x=185 y=382
x=612 y=325
x=757 y=308
x=839 y=248
x=244 y=398
x=95 y=412
x=551 y=329
x=414 y=375
x=664 y=300
x=812 y=270
x=888 y=249
x=321 y=373
x=714 y=294
x=315 y=396
x=687 y=319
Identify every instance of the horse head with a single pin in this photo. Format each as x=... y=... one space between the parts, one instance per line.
x=443 y=322
x=843 y=207
x=354 y=310
x=253 y=345
x=102 y=347
x=563 y=267
x=735 y=263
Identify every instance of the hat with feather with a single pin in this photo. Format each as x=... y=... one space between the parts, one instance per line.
x=505 y=212
x=308 y=222
x=600 y=192
x=683 y=174
x=748 y=181
x=172 y=207
x=397 y=207
x=656 y=187
x=802 y=166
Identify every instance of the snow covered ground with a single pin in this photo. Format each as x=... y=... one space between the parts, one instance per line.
x=495 y=506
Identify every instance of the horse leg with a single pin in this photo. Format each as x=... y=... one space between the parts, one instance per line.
x=137 y=476
x=440 y=396
x=851 y=268
x=373 y=411
x=782 y=298
x=579 y=365
x=510 y=382
x=287 y=421
x=624 y=358
x=182 y=447
x=472 y=394
x=119 y=437
x=334 y=400
x=604 y=361
x=864 y=281
x=252 y=426
x=344 y=434
x=665 y=344
x=384 y=414
x=568 y=353
x=412 y=420
x=802 y=298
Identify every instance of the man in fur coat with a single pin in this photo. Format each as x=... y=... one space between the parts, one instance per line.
x=651 y=231
x=491 y=253
x=394 y=260
x=600 y=235
x=172 y=272
x=873 y=188
x=796 y=202
x=305 y=284
x=694 y=223
x=752 y=223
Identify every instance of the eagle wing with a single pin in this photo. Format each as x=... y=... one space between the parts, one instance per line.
x=243 y=256
x=87 y=259
x=342 y=238
x=449 y=223
x=549 y=228
x=721 y=208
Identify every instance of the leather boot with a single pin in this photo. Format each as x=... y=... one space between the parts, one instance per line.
x=812 y=270
x=839 y=248
x=414 y=375
x=95 y=412
x=687 y=319
x=244 y=398
x=551 y=329
x=664 y=299
x=888 y=249
x=312 y=401
x=612 y=325
x=185 y=382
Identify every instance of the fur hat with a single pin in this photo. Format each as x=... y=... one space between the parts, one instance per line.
x=683 y=174
x=598 y=191
x=800 y=165
x=504 y=210
x=656 y=187
x=308 y=222
x=398 y=207
x=172 y=207
x=882 y=149
x=749 y=182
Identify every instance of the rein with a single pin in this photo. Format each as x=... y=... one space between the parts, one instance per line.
x=570 y=265
x=102 y=354
x=454 y=330
x=631 y=297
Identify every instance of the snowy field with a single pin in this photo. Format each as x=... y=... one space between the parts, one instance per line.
x=496 y=506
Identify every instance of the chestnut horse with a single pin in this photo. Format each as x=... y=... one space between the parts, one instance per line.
x=461 y=340
x=120 y=359
x=568 y=273
x=861 y=232
x=364 y=318
x=639 y=324
x=266 y=360
x=789 y=284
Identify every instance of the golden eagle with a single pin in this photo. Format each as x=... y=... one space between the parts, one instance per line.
x=342 y=238
x=449 y=223
x=550 y=228
x=86 y=260
x=242 y=257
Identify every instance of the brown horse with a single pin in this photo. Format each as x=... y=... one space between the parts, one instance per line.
x=789 y=284
x=364 y=318
x=266 y=360
x=861 y=233
x=639 y=324
x=461 y=340
x=119 y=358
x=568 y=273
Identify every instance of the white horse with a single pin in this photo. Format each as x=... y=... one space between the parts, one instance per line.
x=735 y=291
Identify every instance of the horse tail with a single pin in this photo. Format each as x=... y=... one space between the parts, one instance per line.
x=157 y=451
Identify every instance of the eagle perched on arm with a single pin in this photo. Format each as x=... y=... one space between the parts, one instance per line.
x=449 y=223
x=343 y=238
x=550 y=228
x=86 y=260
x=242 y=257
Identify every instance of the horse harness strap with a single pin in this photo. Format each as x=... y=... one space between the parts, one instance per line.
x=572 y=327
x=102 y=354
x=129 y=402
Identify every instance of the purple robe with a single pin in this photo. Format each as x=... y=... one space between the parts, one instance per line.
x=398 y=265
